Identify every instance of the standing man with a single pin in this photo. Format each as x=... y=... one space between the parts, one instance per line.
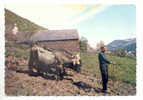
x=103 y=62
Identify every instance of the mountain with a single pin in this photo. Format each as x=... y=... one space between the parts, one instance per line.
x=127 y=44
x=25 y=27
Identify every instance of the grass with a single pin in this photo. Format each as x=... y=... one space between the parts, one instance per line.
x=124 y=70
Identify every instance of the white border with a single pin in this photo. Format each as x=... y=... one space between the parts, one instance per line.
x=139 y=50
x=74 y=1
x=139 y=27
x=2 y=41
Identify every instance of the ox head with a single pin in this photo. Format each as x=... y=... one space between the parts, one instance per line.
x=76 y=62
x=76 y=59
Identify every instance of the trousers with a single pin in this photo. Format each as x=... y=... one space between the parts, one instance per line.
x=104 y=74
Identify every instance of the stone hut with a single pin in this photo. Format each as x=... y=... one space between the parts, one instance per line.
x=57 y=39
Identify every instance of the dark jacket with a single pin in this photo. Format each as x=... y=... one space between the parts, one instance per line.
x=102 y=58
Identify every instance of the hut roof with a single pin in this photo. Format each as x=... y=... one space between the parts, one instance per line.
x=51 y=35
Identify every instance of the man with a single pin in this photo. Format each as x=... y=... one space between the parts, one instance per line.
x=103 y=62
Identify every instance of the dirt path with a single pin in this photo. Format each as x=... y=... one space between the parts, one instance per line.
x=18 y=82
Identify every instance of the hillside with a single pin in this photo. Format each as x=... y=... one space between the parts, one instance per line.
x=25 y=27
x=127 y=44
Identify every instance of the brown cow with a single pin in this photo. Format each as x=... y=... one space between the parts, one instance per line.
x=44 y=60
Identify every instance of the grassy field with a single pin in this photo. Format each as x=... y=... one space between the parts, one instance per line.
x=124 y=70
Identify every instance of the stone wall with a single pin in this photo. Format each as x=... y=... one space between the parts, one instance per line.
x=69 y=45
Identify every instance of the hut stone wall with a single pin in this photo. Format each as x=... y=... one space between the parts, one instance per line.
x=69 y=45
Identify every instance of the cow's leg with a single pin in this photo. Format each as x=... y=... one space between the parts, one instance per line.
x=30 y=70
x=78 y=69
x=39 y=72
x=31 y=63
x=64 y=72
x=59 y=73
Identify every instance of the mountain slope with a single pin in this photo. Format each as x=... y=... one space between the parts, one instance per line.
x=26 y=27
x=128 y=44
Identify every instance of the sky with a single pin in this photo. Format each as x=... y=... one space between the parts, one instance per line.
x=95 y=22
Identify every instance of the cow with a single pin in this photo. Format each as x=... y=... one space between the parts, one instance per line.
x=44 y=60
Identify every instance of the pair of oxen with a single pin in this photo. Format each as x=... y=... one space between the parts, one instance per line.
x=44 y=60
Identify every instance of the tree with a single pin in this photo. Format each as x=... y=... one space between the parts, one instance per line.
x=122 y=52
x=83 y=44
x=119 y=52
